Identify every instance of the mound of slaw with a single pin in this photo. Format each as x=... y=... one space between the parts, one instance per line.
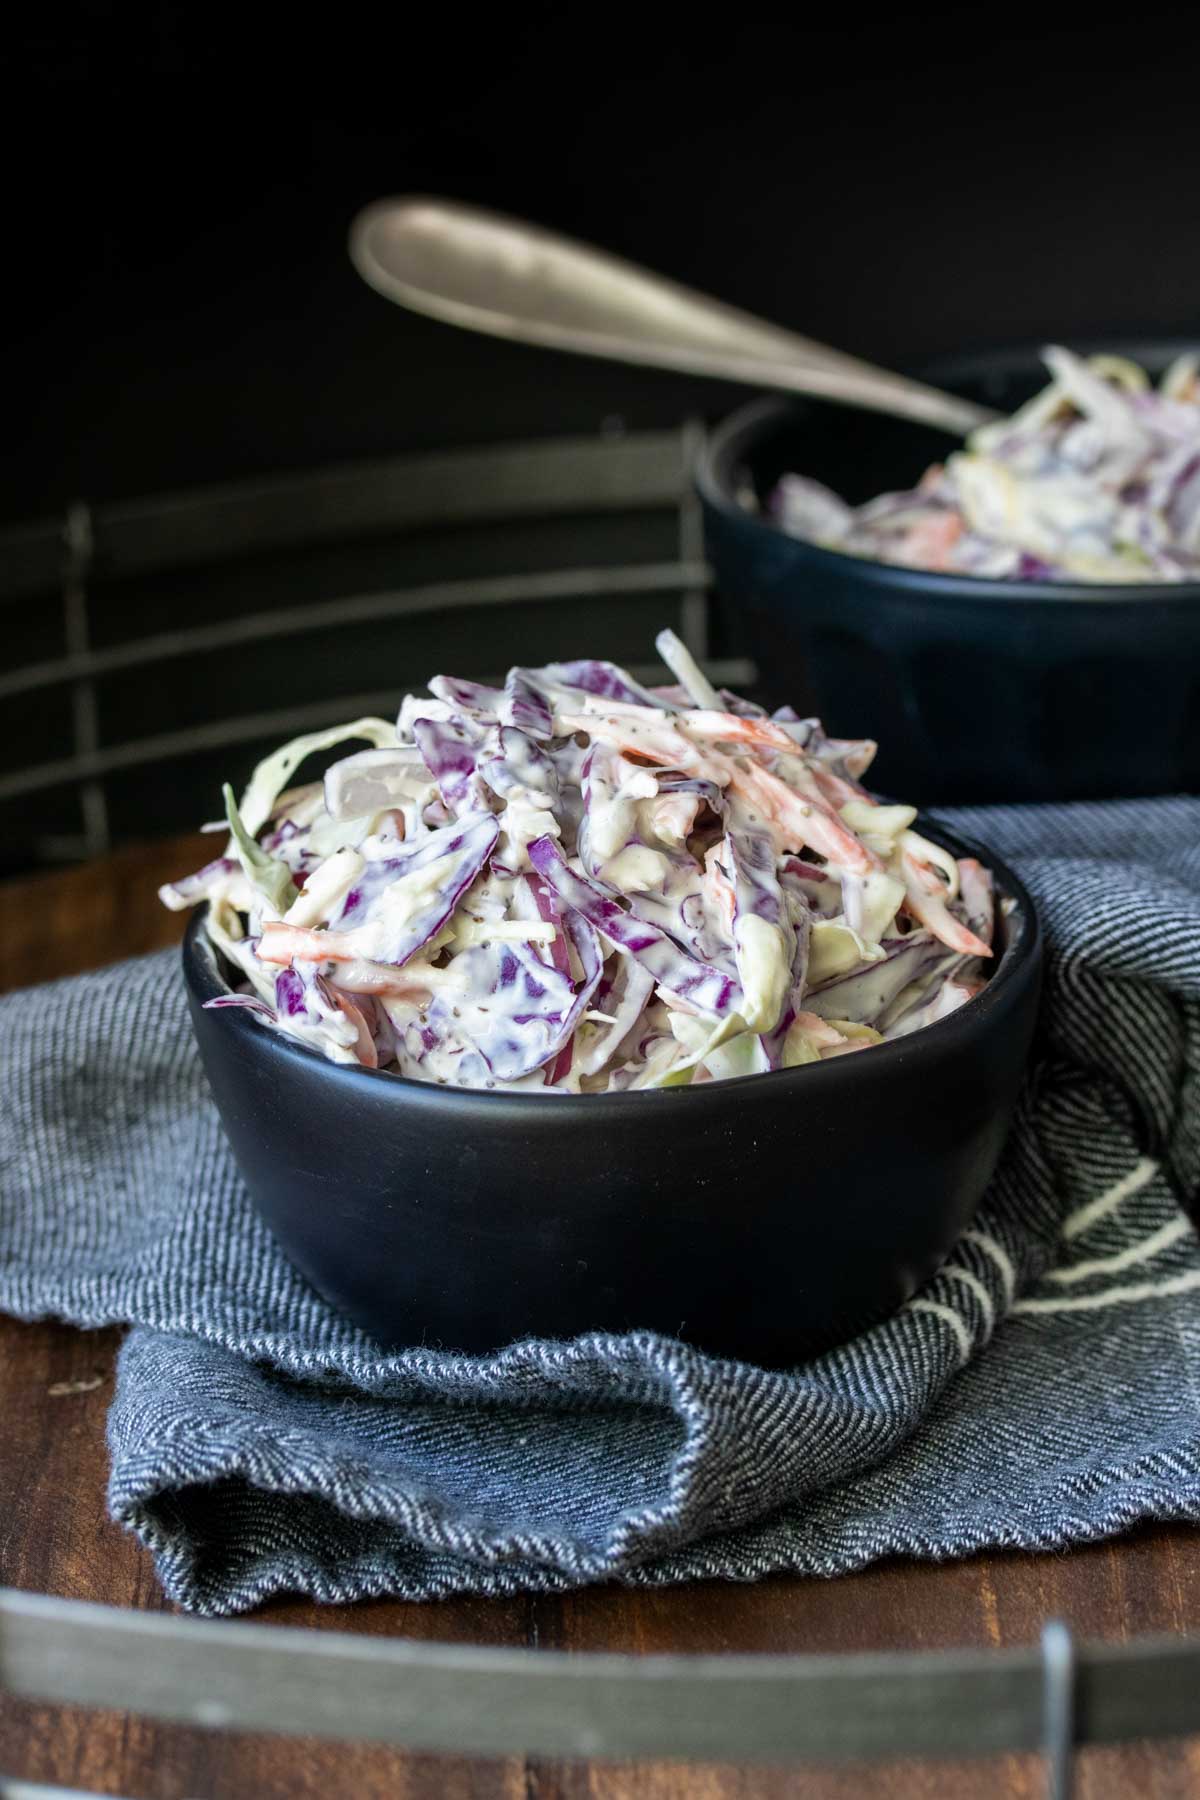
x=577 y=884
x=1097 y=479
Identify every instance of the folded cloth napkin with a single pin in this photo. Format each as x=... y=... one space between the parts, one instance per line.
x=1043 y=1388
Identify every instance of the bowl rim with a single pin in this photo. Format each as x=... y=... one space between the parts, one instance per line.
x=1019 y=963
x=750 y=424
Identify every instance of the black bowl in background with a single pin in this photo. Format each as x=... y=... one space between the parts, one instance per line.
x=976 y=690
x=759 y=1218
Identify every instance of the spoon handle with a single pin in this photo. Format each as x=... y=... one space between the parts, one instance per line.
x=497 y=275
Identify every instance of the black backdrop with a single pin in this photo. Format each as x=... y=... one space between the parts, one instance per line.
x=181 y=307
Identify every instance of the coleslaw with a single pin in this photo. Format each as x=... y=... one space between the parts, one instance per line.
x=1097 y=479
x=577 y=884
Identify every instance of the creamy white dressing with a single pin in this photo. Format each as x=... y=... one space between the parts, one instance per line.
x=637 y=870
x=835 y=948
x=327 y=885
x=501 y=931
x=870 y=903
x=581 y=885
x=1096 y=479
x=877 y=821
x=522 y=825
x=764 y=962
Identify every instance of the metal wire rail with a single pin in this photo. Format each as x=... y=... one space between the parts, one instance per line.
x=177 y=535
x=474 y=1701
x=247 y=1677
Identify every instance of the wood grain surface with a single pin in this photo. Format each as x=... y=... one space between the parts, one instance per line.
x=55 y=1537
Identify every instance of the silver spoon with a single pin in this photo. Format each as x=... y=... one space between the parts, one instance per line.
x=497 y=275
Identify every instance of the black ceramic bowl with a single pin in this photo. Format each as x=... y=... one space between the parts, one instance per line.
x=758 y=1218
x=976 y=690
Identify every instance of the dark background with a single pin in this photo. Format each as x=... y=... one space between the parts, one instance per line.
x=179 y=308
x=182 y=308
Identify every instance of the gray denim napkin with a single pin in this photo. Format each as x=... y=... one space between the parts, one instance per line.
x=1043 y=1389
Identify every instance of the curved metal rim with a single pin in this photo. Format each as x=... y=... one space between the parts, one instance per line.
x=237 y=1675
